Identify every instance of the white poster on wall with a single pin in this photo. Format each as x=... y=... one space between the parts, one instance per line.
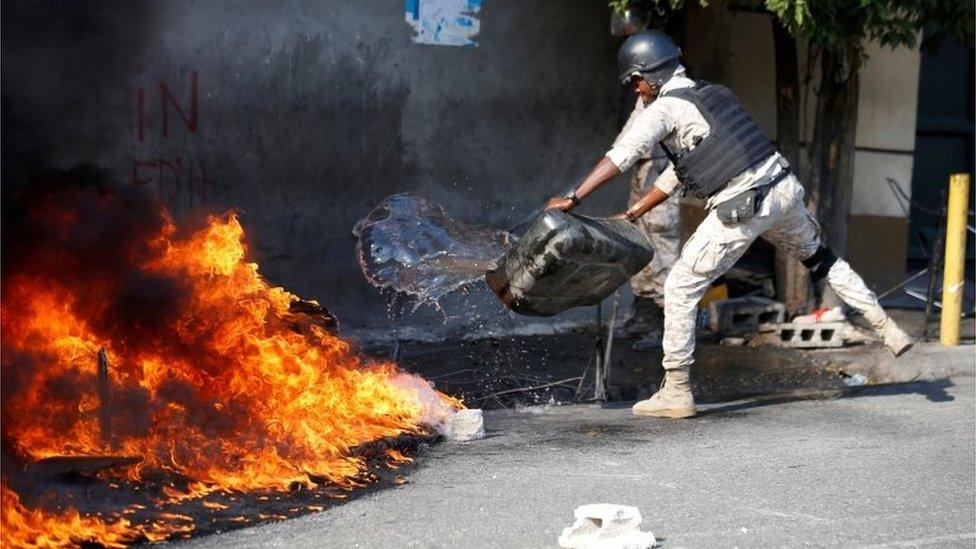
x=444 y=22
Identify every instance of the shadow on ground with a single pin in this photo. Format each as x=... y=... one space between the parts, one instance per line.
x=934 y=391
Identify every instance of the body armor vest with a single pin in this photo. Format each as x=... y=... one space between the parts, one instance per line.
x=734 y=144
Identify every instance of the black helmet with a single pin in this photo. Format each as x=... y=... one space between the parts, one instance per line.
x=645 y=52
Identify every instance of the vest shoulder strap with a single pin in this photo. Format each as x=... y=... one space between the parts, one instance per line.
x=734 y=143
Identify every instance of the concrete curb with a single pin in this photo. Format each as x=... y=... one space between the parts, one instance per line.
x=925 y=362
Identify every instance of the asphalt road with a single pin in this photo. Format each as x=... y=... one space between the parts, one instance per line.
x=887 y=466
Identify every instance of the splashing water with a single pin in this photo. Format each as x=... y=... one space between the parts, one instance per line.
x=408 y=243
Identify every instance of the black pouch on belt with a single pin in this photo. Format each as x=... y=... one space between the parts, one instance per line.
x=744 y=205
x=739 y=208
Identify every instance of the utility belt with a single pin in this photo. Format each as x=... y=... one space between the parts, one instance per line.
x=744 y=205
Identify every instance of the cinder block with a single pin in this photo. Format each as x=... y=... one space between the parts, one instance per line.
x=811 y=336
x=744 y=315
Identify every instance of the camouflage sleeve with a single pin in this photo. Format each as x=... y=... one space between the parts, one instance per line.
x=648 y=128
x=634 y=113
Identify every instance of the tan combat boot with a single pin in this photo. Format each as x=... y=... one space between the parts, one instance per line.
x=897 y=341
x=673 y=400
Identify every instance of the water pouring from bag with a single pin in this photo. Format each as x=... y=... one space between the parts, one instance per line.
x=409 y=244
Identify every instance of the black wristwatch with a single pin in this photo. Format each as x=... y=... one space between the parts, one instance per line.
x=573 y=198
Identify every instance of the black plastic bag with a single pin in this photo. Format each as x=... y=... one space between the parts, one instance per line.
x=566 y=260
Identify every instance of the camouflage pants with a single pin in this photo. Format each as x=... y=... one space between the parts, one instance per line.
x=660 y=226
x=782 y=220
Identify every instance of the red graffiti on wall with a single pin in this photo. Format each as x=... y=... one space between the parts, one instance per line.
x=177 y=178
x=167 y=101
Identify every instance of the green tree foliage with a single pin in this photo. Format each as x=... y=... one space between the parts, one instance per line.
x=845 y=26
x=621 y=6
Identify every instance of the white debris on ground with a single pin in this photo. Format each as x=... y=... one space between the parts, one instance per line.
x=606 y=526
x=855 y=380
x=465 y=425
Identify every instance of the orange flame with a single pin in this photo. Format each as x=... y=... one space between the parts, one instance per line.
x=30 y=528
x=229 y=394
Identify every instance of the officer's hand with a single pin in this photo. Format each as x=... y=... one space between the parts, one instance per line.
x=559 y=203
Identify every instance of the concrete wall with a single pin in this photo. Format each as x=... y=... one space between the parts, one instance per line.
x=310 y=112
x=735 y=49
x=878 y=230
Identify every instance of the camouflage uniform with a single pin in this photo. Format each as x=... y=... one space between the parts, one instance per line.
x=782 y=220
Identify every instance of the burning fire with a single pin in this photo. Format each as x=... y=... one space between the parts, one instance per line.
x=23 y=527
x=208 y=373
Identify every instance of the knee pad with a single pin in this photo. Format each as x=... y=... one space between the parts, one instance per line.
x=820 y=263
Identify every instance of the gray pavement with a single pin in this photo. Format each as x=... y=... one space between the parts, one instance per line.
x=881 y=466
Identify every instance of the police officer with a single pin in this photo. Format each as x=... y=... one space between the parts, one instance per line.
x=660 y=226
x=719 y=154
